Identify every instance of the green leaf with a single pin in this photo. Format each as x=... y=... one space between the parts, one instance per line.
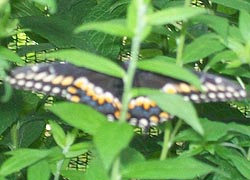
x=201 y=48
x=96 y=170
x=111 y=139
x=163 y=66
x=217 y=23
x=79 y=116
x=178 y=168
x=115 y=27
x=88 y=60
x=223 y=57
x=78 y=149
x=73 y=174
x=241 y=163
x=171 y=15
x=39 y=171
x=6 y=54
x=244 y=25
x=172 y=104
x=58 y=134
x=235 y=4
x=21 y=158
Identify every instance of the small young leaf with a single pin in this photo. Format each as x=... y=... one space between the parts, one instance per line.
x=78 y=149
x=58 y=134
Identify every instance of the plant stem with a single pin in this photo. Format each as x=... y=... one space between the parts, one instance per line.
x=128 y=79
x=115 y=175
x=166 y=145
x=181 y=40
x=135 y=48
x=15 y=135
x=169 y=138
x=60 y=163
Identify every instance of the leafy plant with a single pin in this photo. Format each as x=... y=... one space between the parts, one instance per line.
x=205 y=141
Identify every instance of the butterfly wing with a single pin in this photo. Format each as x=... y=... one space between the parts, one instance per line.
x=76 y=84
x=214 y=88
x=104 y=92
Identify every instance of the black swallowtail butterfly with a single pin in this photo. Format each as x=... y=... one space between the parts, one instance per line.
x=103 y=92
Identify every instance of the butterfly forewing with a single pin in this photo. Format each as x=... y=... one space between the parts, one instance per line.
x=103 y=92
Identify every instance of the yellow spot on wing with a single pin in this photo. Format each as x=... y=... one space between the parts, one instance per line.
x=72 y=90
x=154 y=119
x=57 y=79
x=164 y=115
x=67 y=80
x=185 y=88
x=75 y=99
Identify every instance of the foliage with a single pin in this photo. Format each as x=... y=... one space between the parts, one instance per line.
x=210 y=141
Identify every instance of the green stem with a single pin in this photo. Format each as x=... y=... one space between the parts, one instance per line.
x=14 y=135
x=169 y=138
x=181 y=40
x=115 y=175
x=166 y=145
x=135 y=48
x=59 y=164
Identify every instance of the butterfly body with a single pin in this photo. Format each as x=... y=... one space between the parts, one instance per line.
x=104 y=92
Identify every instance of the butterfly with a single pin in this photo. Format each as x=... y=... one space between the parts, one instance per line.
x=104 y=92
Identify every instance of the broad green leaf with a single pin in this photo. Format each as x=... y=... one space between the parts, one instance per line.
x=88 y=60
x=217 y=23
x=96 y=170
x=202 y=47
x=20 y=159
x=58 y=134
x=114 y=27
x=73 y=174
x=222 y=57
x=177 y=106
x=171 y=15
x=39 y=171
x=235 y=4
x=79 y=116
x=6 y=54
x=111 y=139
x=164 y=66
x=178 y=168
x=244 y=25
x=240 y=162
